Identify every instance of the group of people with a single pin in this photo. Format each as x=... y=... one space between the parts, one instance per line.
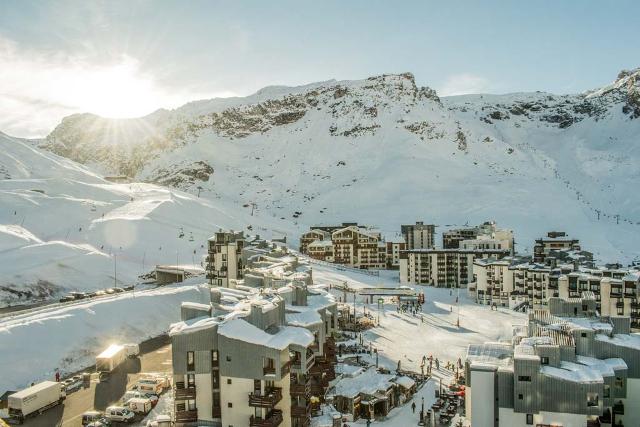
x=449 y=366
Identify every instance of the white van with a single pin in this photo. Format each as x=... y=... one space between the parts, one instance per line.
x=151 y=385
x=119 y=413
x=139 y=405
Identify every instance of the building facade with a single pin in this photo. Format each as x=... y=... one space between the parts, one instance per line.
x=555 y=241
x=419 y=235
x=561 y=369
x=443 y=267
x=353 y=245
x=454 y=239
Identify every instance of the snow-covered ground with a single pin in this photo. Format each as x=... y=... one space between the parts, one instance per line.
x=68 y=338
x=407 y=338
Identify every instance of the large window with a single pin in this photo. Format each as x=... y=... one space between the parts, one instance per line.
x=191 y=380
x=191 y=362
x=524 y=378
x=529 y=419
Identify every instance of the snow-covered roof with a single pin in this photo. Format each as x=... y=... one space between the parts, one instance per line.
x=305 y=318
x=606 y=367
x=574 y=372
x=368 y=382
x=195 y=305
x=623 y=340
x=242 y=330
x=490 y=354
x=405 y=382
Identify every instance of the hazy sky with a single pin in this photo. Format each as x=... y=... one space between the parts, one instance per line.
x=128 y=58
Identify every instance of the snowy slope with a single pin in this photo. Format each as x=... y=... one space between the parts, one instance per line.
x=384 y=151
x=61 y=226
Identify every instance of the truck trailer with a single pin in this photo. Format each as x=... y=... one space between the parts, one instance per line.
x=110 y=359
x=35 y=400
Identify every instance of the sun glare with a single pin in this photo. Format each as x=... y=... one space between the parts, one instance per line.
x=116 y=91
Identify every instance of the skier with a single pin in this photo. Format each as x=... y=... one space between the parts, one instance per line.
x=57 y=376
x=413 y=407
x=437 y=364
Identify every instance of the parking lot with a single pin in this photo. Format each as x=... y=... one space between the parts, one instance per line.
x=155 y=356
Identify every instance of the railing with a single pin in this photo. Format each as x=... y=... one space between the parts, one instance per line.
x=300 y=411
x=300 y=389
x=186 y=416
x=267 y=400
x=185 y=393
x=269 y=370
x=273 y=419
x=618 y=408
x=216 y=412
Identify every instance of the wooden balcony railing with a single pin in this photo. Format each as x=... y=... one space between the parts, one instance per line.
x=267 y=400
x=186 y=416
x=269 y=370
x=273 y=419
x=185 y=393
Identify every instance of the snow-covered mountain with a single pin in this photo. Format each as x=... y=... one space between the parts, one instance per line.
x=63 y=227
x=384 y=151
x=380 y=151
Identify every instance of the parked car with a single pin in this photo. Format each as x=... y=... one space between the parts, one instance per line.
x=77 y=295
x=128 y=288
x=91 y=416
x=67 y=298
x=102 y=422
x=72 y=384
x=160 y=421
x=100 y=293
x=118 y=290
x=136 y=394
x=110 y=291
x=119 y=414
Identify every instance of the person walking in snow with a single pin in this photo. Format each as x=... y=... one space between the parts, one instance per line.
x=57 y=376
x=413 y=407
x=437 y=364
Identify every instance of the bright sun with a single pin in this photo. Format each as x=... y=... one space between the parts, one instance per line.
x=115 y=91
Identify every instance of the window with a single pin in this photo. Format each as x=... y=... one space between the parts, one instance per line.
x=619 y=382
x=192 y=405
x=592 y=399
x=520 y=397
x=544 y=360
x=228 y=380
x=529 y=419
x=214 y=358
x=215 y=379
x=190 y=361
x=525 y=378
x=229 y=405
x=607 y=391
x=228 y=358
x=583 y=334
x=191 y=380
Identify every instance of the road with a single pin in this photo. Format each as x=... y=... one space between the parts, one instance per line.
x=155 y=357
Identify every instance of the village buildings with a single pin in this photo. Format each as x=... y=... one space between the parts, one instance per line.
x=567 y=366
x=350 y=244
x=261 y=350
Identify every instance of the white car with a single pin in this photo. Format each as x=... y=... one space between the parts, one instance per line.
x=135 y=394
x=119 y=413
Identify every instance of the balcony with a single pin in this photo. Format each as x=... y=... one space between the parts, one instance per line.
x=300 y=389
x=620 y=304
x=273 y=419
x=186 y=416
x=185 y=393
x=269 y=370
x=618 y=408
x=216 y=412
x=301 y=411
x=267 y=400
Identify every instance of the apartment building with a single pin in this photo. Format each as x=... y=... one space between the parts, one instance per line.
x=453 y=239
x=253 y=357
x=616 y=292
x=443 y=267
x=419 y=235
x=555 y=241
x=392 y=255
x=224 y=259
x=352 y=245
x=566 y=367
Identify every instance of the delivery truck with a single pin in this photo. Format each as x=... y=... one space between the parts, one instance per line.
x=35 y=400
x=110 y=359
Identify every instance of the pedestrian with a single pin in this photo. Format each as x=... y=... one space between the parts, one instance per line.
x=57 y=376
x=413 y=407
x=437 y=364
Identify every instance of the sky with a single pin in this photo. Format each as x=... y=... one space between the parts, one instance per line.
x=128 y=58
